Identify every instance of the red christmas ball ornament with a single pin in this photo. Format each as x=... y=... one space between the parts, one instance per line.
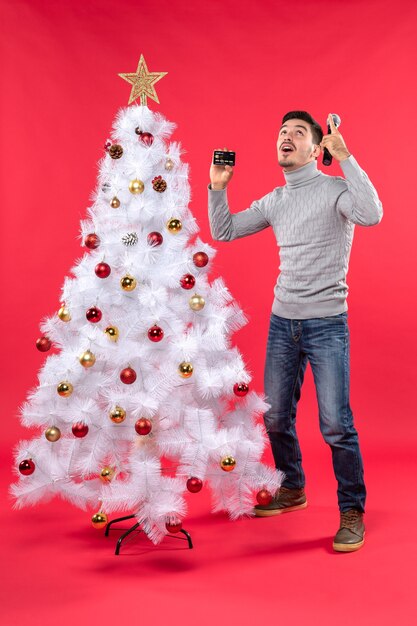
x=173 y=527
x=128 y=376
x=146 y=138
x=264 y=497
x=92 y=241
x=194 y=484
x=155 y=333
x=102 y=270
x=93 y=314
x=155 y=239
x=43 y=344
x=200 y=259
x=143 y=426
x=26 y=467
x=240 y=389
x=79 y=429
x=187 y=281
x=107 y=145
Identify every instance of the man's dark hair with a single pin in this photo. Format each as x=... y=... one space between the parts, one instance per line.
x=316 y=129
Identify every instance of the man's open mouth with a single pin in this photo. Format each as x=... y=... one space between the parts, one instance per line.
x=287 y=147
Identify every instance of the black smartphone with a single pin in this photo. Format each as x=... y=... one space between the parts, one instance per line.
x=223 y=157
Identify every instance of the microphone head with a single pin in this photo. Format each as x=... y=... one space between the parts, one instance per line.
x=336 y=119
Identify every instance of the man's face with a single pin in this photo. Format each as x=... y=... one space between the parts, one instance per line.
x=295 y=145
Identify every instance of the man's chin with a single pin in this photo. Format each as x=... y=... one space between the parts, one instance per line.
x=285 y=163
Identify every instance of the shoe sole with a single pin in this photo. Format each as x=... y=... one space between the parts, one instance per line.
x=348 y=547
x=271 y=512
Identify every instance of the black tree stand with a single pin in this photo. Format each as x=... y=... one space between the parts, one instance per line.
x=135 y=527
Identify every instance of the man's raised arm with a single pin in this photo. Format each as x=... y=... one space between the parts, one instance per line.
x=224 y=225
x=357 y=199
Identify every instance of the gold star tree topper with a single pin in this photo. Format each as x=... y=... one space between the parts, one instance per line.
x=142 y=82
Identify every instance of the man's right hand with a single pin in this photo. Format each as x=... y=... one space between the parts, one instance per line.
x=220 y=175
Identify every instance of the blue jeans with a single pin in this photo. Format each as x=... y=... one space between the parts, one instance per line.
x=324 y=342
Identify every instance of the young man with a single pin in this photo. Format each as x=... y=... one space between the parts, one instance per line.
x=313 y=217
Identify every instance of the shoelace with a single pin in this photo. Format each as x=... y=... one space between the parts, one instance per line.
x=350 y=518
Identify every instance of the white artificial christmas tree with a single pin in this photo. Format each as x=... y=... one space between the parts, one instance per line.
x=145 y=397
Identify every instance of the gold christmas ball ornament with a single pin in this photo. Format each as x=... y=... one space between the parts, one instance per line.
x=169 y=164
x=52 y=433
x=64 y=314
x=117 y=415
x=99 y=520
x=228 y=463
x=115 y=203
x=185 y=369
x=112 y=333
x=107 y=474
x=87 y=359
x=136 y=186
x=196 y=302
x=174 y=225
x=65 y=389
x=128 y=283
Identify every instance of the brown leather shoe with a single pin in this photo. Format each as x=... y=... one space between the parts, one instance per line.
x=351 y=534
x=284 y=501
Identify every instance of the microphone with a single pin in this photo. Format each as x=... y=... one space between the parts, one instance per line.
x=327 y=157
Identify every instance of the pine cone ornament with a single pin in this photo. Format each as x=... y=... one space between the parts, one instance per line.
x=159 y=184
x=115 y=151
x=130 y=239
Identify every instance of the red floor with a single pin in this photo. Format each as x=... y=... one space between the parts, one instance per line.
x=59 y=570
x=61 y=92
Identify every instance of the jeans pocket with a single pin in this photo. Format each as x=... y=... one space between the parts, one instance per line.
x=340 y=317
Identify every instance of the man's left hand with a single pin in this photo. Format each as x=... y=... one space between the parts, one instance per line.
x=335 y=142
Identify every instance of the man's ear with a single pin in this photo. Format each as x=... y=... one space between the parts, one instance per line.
x=316 y=150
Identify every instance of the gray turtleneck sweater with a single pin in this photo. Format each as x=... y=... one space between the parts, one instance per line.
x=313 y=217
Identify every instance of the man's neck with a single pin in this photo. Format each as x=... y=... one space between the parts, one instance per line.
x=302 y=175
x=293 y=168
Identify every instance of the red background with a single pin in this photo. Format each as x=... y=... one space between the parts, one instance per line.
x=234 y=68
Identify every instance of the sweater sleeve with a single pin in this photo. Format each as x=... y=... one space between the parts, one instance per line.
x=357 y=199
x=226 y=226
